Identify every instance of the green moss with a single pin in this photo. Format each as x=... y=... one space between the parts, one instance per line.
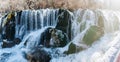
x=9 y=17
x=82 y=27
x=93 y=34
x=73 y=49
x=101 y=21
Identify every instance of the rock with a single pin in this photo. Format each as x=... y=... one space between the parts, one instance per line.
x=58 y=38
x=17 y=40
x=38 y=55
x=45 y=37
x=53 y=38
x=10 y=32
x=8 y=27
x=49 y=38
x=73 y=49
x=64 y=22
x=7 y=44
x=93 y=34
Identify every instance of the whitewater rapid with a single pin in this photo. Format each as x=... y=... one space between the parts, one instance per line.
x=106 y=47
x=96 y=31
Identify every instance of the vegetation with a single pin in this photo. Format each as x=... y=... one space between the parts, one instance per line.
x=13 y=5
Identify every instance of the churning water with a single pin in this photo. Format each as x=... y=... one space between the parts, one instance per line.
x=97 y=32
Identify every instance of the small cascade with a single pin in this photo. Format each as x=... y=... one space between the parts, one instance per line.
x=59 y=35
x=95 y=36
x=33 y=20
x=25 y=31
x=32 y=40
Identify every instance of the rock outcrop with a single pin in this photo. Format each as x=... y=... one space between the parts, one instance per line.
x=8 y=27
x=38 y=55
x=9 y=44
x=64 y=22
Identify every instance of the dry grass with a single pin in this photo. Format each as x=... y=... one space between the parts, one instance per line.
x=13 y=5
x=7 y=5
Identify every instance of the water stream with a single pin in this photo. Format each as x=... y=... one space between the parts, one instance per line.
x=94 y=33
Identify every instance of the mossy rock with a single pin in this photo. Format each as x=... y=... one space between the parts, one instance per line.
x=93 y=34
x=9 y=17
x=101 y=21
x=82 y=27
x=73 y=49
x=50 y=38
x=9 y=24
x=38 y=54
x=80 y=18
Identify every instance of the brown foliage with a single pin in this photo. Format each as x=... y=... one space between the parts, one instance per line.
x=8 y=5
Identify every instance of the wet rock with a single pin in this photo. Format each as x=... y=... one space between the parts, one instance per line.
x=45 y=37
x=73 y=49
x=53 y=38
x=49 y=38
x=7 y=44
x=38 y=55
x=8 y=27
x=10 y=44
x=10 y=32
x=64 y=22
x=58 y=38
x=93 y=34
x=17 y=40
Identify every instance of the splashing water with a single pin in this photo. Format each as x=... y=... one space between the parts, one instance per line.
x=29 y=24
x=102 y=49
x=95 y=31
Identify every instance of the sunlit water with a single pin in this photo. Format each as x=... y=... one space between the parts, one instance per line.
x=103 y=24
x=103 y=49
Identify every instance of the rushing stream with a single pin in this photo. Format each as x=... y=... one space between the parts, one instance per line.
x=57 y=35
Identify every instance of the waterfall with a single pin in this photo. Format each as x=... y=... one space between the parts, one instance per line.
x=97 y=32
x=82 y=35
x=29 y=24
x=34 y=20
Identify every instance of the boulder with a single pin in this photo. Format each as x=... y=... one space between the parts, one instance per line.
x=8 y=27
x=17 y=40
x=45 y=37
x=10 y=44
x=58 y=38
x=49 y=38
x=38 y=55
x=73 y=48
x=92 y=35
x=53 y=38
x=64 y=22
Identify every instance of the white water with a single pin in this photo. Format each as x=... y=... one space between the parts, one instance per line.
x=30 y=27
x=42 y=18
x=103 y=49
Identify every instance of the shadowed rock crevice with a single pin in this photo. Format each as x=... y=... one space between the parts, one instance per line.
x=64 y=22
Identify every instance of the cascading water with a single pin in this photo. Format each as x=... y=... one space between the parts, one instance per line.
x=28 y=23
x=97 y=32
x=95 y=35
x=41 y=19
